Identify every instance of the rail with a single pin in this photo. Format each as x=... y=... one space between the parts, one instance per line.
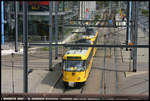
x=48 y=95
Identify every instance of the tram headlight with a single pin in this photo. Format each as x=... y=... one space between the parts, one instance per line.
x=66 y=78
x=78 y=78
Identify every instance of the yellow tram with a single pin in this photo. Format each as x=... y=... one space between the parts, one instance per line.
x=77 y=62
x=91 y=34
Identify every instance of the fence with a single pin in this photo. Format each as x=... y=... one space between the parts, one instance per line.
x=72 y=96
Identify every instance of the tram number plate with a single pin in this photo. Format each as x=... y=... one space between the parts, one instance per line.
x=71 y=84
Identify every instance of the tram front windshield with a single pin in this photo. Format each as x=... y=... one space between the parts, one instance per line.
x=73 y=65
x=90 y=32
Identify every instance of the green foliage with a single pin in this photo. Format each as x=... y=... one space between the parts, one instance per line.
x=97 y=17
x=145 y=12
x=101 y=3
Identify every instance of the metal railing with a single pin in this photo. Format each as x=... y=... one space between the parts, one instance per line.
x=59 y=96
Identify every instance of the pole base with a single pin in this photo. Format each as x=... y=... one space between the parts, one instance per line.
x=56 y=58
x=134 y=70
x=51 y=69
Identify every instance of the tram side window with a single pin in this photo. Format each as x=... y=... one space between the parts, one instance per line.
x=90 y=56
x=87 y=61
x=95 y=41
x=91 y=52
x=84 y=64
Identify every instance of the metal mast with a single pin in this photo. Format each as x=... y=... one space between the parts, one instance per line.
x=2 y=21
x=25 y=46
x=50 y=34
x=16 y=22
x=56 y=29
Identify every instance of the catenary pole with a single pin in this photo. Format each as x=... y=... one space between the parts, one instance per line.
x=2 y=21
x=16 y=22
x=56 y=29
x=50 y=34
x=25 y=34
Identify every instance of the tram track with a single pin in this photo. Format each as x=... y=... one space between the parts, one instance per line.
x=102 y=81
x=107 y=84
x=38 y=60
x=116 y=73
